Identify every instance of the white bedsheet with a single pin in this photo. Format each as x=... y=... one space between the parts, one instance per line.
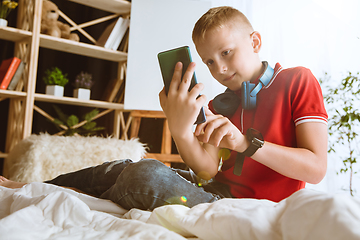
x=44 y=211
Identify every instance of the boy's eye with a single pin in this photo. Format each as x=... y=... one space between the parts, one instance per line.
x=226 y=52
x=209 y=63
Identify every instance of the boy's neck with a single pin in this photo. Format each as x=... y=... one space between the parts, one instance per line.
x=258 y=70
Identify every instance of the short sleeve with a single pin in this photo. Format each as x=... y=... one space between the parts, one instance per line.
x=307 y=99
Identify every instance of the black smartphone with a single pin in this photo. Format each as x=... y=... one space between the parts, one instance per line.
x=167 y=61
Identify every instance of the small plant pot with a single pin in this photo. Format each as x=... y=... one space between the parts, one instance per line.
x=3 y=22
x=82 y=93
x=55 y=90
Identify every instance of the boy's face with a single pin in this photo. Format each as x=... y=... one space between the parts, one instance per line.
x=231 y=55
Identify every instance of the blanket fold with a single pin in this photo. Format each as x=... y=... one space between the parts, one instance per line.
x=45 y=211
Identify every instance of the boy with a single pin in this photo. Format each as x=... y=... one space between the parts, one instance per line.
x=289 y=113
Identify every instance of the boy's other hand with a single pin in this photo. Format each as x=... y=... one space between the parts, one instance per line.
x=180 y=106
x=220 y=132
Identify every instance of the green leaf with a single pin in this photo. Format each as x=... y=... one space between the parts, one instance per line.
x=72 y=120
x=58 y=122
x=89 y=125
x=62 y=116
x=88 y=128
x=90 y=115
x=54 y=76
x=71 y=131
x=98 y=128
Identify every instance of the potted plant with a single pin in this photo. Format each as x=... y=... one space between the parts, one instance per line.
x=344 y=122
x=82 y=84
x=73 y=127
x=55 y=81
x=6 y=7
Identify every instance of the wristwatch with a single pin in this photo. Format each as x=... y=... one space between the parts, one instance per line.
x=256 y=141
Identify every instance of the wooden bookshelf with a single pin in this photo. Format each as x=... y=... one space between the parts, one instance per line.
x=11 y=94
x=114 y=6
x=77 y=102
x=14 y=34
x=28 y=42
x=24 y=101
x=79 y=48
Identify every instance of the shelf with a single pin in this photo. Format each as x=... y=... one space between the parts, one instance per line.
x=14 y=34
x=11 y=94
x=78 y=102
x=113 y=6
x=79 y=48
x=20 y=114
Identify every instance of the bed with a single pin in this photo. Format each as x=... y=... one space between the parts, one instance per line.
x=44 y=211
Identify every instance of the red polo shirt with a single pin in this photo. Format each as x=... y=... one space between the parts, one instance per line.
x=293 y=96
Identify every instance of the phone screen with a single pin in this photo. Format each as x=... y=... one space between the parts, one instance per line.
x=167 y=62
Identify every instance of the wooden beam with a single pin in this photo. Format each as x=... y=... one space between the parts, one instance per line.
x=165 y=157
x=148 y=114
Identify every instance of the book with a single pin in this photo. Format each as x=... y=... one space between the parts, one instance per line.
x=113 y=34
x=7 y=70
x=120 y=33
x=17 y=76
x=123 y=47
x=105 y=36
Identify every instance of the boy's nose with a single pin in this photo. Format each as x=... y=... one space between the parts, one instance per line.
x=222 y=68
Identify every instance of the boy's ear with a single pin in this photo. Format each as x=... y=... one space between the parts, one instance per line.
x=256 y=41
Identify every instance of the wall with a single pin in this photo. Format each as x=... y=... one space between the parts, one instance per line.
x=322 y=35
x=158 y=25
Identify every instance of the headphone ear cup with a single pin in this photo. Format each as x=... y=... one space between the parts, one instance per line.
x=247 y=101
x=226 y=103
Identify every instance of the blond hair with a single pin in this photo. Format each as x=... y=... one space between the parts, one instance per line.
x=219 y=17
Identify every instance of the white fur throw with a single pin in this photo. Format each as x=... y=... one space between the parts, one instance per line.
x=43 y=157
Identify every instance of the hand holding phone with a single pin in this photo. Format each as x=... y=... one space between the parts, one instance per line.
x=167 y=62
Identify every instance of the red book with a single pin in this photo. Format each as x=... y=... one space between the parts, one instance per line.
x=7 y=70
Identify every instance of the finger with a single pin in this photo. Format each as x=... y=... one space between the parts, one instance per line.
x=176 y=79
x=208 y=112
x=186 y=80
x=162 y=97
x=196 y=90
x=207 y=127
x=200 y=100
x=212 y=128
x=220 y=134
x=200 y=138
x=209 y=118
x=162 y=92
x=200 y=126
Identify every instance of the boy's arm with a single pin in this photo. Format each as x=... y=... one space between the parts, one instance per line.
x=181 y=108
x=201 y=158
x=307 y=162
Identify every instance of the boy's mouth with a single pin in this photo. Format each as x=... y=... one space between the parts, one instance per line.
x=229 y=78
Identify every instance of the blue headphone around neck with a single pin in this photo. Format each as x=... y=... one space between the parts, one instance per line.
x=228 y=102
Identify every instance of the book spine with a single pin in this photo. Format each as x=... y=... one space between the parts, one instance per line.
x=10 y=73
x=16 y=77
x=113 y=33
x=120 y=34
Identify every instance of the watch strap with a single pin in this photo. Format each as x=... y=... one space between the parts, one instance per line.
x=255 y=144
x=239 y=162
x=251 y=149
